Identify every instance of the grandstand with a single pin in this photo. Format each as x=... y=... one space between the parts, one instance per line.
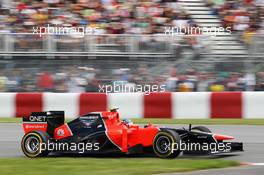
x=129 y=43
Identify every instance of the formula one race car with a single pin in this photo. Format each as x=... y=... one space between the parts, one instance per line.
x=104 y=132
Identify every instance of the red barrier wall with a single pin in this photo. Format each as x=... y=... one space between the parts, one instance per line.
x=158 y=105
x=28 y=102
x=226 y=105
x=154 y=105
x=90 y=102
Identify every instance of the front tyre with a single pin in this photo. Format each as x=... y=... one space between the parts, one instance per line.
x=32 y=143
x=166 y=144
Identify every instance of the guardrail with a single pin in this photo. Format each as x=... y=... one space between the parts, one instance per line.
x=29 y=44
x=156 y=45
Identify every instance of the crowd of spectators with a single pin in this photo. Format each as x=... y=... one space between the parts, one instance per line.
x=214 y=81
x=84 y=79
x=245 y=17
x=108 y=16
x=127 y=16
x=103 y=16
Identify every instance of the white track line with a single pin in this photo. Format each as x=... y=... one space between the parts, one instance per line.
x=254 y=164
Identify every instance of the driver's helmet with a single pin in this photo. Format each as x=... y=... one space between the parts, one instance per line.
x=127 y=121
x=113 y=109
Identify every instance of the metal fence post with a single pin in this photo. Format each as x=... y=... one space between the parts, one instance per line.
x=50 y=46
x=8 y=46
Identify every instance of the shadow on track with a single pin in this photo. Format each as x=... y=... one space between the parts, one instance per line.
x=142 y=156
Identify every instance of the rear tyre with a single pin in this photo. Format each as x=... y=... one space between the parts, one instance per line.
x=166 y=144
x=202 y=129
x=32 y=144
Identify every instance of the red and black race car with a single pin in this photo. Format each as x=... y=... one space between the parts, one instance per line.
x=104 y=132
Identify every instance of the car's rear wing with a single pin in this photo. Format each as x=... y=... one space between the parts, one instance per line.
x=43 y=121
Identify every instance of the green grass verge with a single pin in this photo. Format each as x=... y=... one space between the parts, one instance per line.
x=10 y=120
x=176 y=121
x=106 y=166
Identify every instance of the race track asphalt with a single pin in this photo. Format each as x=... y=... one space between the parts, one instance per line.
x=252 y=137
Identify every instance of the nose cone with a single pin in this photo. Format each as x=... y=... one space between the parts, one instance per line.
x=220 y=137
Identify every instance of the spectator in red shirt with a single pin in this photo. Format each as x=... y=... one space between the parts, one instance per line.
x=45 y=82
